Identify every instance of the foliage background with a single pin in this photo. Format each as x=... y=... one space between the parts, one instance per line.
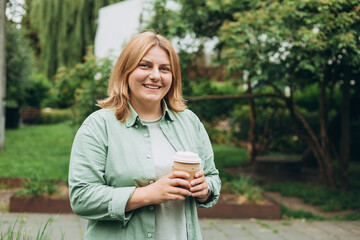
x=305 y=53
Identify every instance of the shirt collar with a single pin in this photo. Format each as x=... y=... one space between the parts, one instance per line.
x=134 y=117
x=131 y=119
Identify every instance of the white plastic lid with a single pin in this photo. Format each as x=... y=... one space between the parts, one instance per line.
x=186 y=157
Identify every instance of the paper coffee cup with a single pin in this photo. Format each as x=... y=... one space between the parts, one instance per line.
x=186 y=161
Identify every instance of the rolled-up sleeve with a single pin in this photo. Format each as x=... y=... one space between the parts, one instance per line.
x=211 y=173
x=90 y=196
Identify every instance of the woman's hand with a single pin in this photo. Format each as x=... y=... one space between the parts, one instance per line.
x=173 y=186
x=199 y=187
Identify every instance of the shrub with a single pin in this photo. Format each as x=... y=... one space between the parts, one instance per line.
x=32 y=115
x=37 y=90
x=245 y=186
x=212 y=110
x=69 y=81
x=280 y=134
x=51 y=116
x=19 y=65
x=217 y=136
x=92 y=89
x=37 y=186
x=80 y=86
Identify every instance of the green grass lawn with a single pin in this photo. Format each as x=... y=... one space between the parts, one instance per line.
x=228 y=156
x=42 y=150
x=45 y=150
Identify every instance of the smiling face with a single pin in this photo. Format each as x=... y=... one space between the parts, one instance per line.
x=151 y=80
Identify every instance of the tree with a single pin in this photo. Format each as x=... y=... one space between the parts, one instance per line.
x=65 y=29
x=2 y=73
x=312 y=41
x=289 y=45
x=203 y=19
x=19 y=65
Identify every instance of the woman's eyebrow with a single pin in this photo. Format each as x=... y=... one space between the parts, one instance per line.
x=162 y=64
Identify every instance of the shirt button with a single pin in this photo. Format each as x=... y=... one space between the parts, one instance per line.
x=151 y=182
x=168 y=121
x=151 y=208
x=148 y=156
x=149 y=235
x=136 y=126
x=146 y=135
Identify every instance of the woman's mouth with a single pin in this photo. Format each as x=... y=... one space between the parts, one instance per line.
x=151 y=86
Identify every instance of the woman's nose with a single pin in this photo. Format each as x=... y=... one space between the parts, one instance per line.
x=155 y=74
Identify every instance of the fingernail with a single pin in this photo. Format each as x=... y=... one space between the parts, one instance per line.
x=192 y=182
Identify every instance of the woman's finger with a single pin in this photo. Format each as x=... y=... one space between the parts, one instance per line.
x=180 y=191
x=179 y=182
x=198 y=188
x=177 y=197
x=200 y=193
x=179 y=174
x=197 y=181
x=199 y=173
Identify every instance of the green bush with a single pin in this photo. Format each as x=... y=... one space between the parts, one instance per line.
x=308 y=97
x=212 y=110
x=280 y=132
x=245 y=186
x=37 y=90
x=80 y=86
x=19 y=65
x=51 y=116
x=37 y=186
x=351 y=216
x=94 y=88
x=217 y=136
x=69 y=81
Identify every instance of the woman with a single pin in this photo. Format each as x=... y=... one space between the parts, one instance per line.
x=120 y=175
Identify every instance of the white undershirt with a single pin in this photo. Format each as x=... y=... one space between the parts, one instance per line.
x=170 y=222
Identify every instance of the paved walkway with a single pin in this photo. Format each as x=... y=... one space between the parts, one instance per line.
x=71 y=227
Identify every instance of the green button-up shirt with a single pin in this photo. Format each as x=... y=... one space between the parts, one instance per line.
x=109 y=159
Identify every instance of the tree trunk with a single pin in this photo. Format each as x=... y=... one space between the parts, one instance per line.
x=324 y=139
x=2 y=73
x=345 y=133
x=325 y=166
x=251 y=146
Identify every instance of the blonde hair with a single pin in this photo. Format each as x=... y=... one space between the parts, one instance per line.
x=128 y=60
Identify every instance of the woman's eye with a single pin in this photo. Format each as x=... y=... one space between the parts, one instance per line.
x=165 y=69
x=143 y=65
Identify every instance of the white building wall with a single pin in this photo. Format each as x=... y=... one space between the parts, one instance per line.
x=117 y=24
